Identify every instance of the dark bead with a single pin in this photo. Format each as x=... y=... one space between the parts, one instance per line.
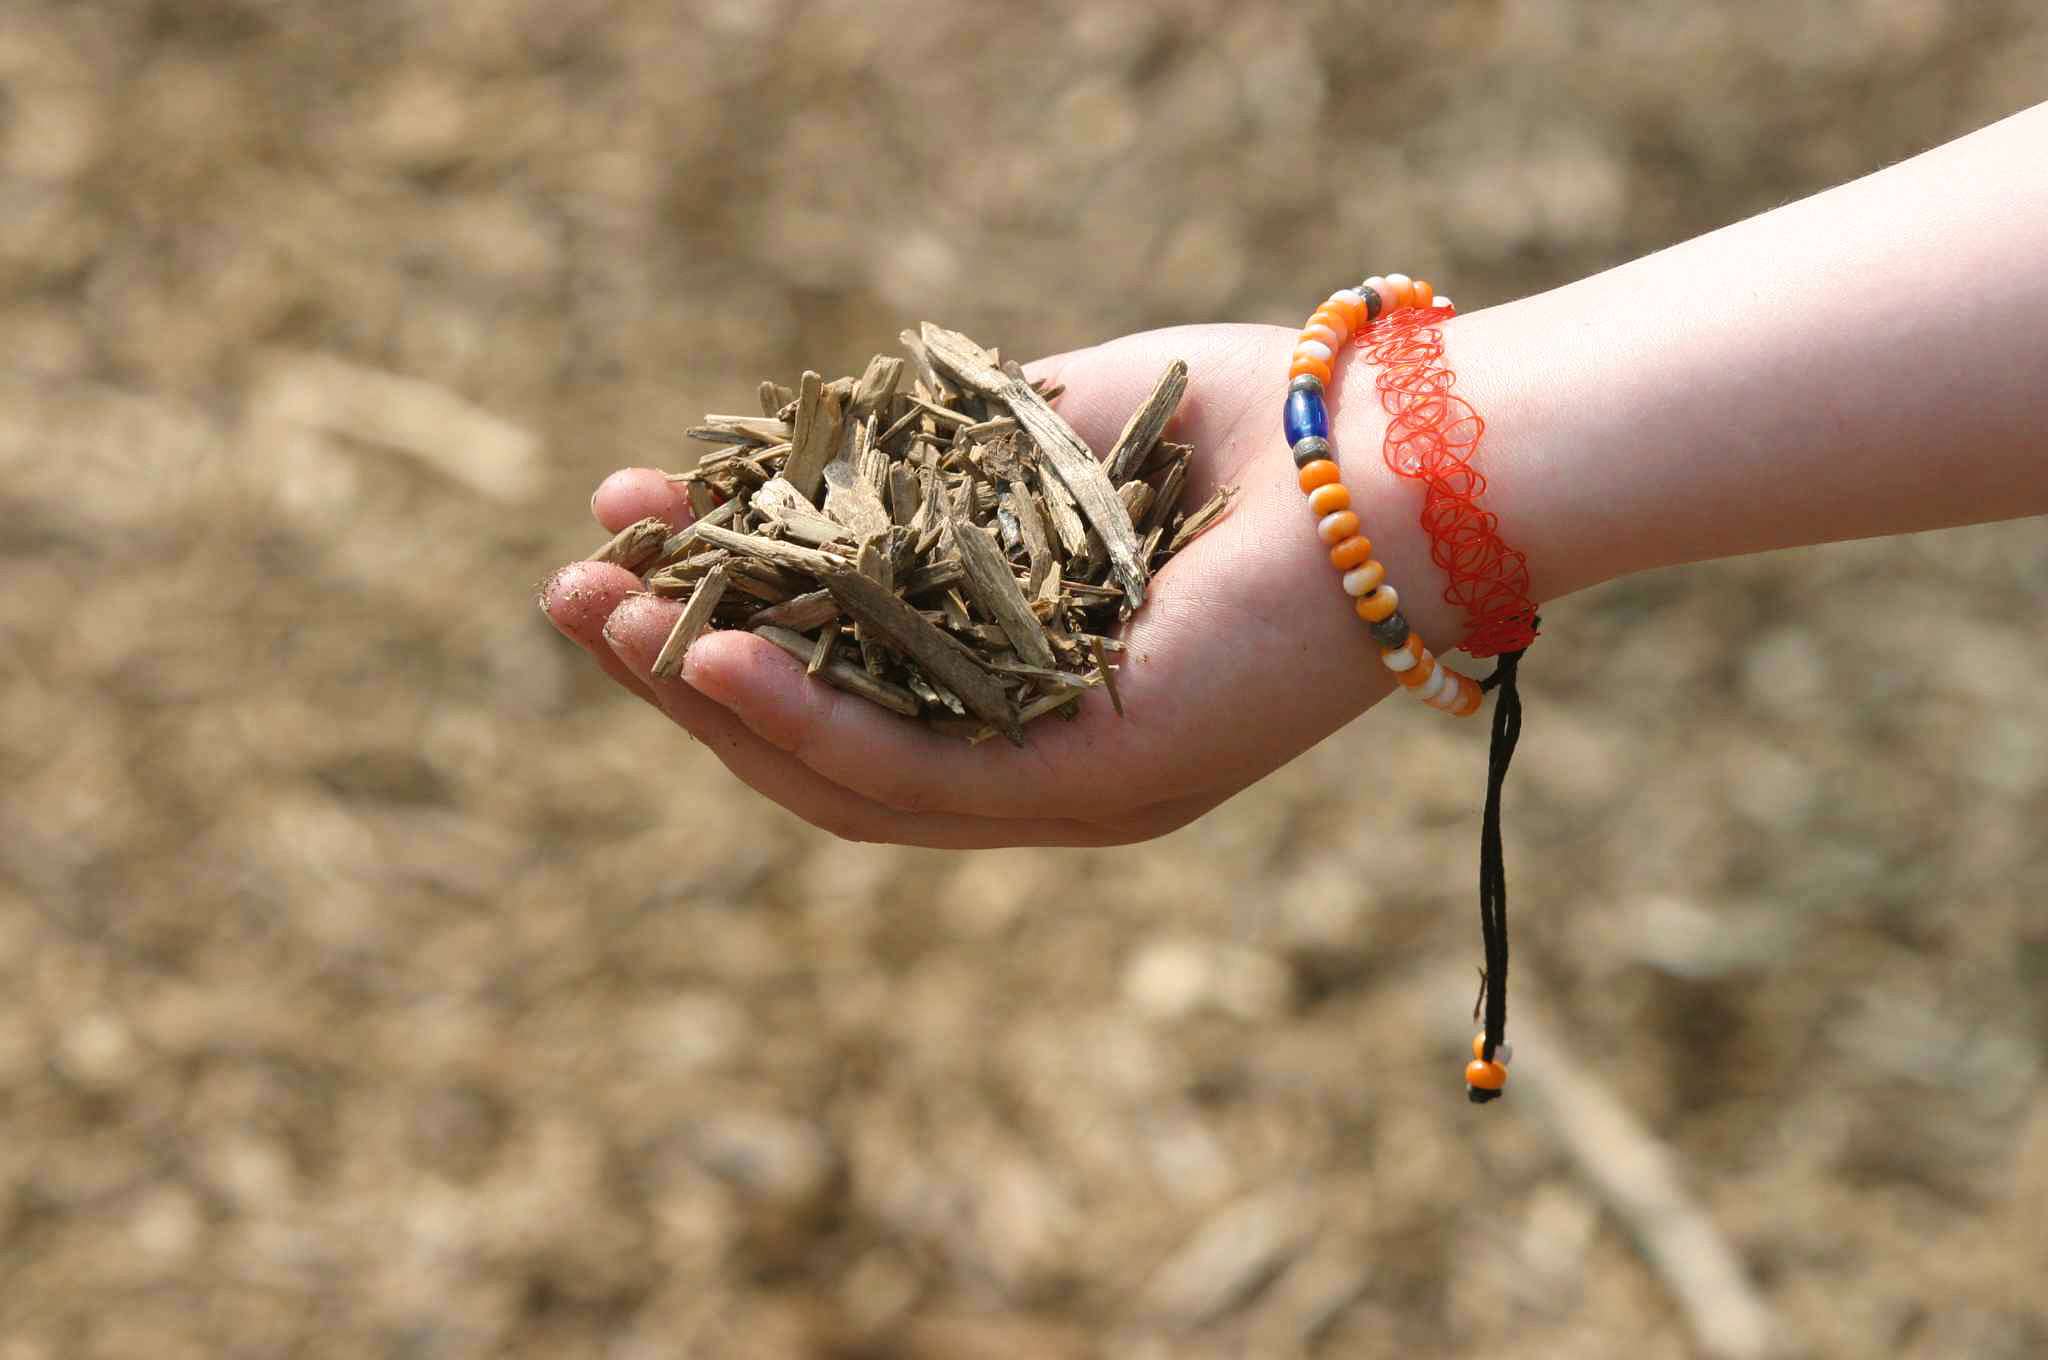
x=1306 y=416
x=1372 y=303
x=1479 y=1095
x=1307 y=382
x=1308 y=450
x=1391 y=631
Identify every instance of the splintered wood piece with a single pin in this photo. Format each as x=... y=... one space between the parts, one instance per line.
x=928 y=377
x=702 y=502
x=821 y=651
x=1072 y=461
x=994 y=587
x=946 y=661
x=841 y=674
x=1066 y=520
x=815 y=437
x=903 y=497
x=739 y=430
x=1102 y=668
x=1168 y=499
x=696 y=614
x=1146 y=424
x=1032 y=711
x=1211 y=510
x=683 y=539
x=931 y=576
x=634 y=546
x=1137 y=499
x=852 y=501
x=989 y=428
x=810 y=561
x=801 y=613
x=772 y=399
x=877 y=384
x=787 y=506
x=877 y=562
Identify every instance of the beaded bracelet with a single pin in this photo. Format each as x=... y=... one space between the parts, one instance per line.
x=1430 y=436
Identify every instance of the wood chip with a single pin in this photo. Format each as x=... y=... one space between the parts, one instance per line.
x=1143 y=429
x=810 y=561
x=799 y=614
x=946 y=660
x=696 y=614
x=815 y=436
x=1210 y=511
x=1108 y=674
x=636 y=546
x=994 y=587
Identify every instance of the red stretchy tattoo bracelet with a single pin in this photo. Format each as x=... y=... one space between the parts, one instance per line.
x=1432 y=434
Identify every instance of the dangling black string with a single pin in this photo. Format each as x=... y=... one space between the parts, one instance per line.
x=1493 y=878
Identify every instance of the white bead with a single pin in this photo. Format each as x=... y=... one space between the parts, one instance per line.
x=1315 y=349
x=1434 y=686
x=1504 y=1053
x=1327 y=526
x=1360 y=582
x=1398 y=283
x=1349 y=296
x=1322 y=334
x=1400 y=659
x=1440 y=301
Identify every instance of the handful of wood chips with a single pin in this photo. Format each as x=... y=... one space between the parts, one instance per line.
x=930 y=536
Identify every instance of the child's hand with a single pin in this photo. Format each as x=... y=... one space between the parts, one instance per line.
x=1244 y=654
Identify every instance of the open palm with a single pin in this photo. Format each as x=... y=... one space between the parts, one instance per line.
x=1243 y=656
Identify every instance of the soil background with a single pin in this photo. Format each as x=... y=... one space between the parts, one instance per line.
x=376 y=980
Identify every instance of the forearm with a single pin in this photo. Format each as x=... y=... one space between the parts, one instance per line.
x=1872 y=360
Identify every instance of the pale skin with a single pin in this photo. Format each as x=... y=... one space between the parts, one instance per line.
x=1872 y=360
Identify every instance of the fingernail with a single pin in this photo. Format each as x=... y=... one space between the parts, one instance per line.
x=544 y=593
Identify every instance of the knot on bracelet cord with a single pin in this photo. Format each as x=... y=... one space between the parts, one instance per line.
x=1431 y=435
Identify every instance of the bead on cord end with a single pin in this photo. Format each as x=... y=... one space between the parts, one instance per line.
x=1484 y=1081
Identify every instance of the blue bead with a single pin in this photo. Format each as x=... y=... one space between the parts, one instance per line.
x=1306 y=417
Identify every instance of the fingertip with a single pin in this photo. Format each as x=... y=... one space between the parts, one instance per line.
x=633 y=494
x=578 y=598
x=637 y=628
x=757 y=681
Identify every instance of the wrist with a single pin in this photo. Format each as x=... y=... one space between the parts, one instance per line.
x=1538 y=443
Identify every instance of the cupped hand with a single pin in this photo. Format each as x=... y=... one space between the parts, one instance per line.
x=1244 y=655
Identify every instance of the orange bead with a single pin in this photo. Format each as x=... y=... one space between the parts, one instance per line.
x=1337 y=321
x=1502 y=1055
x=1309 y=364
x=1487 y=1076
x=1470 y=696
x=1322 y=472
x=1417 y=675
x=1329 y=498
x=1376 y=607
x=1350 y=553
x=1320 y=330
x=1421 y=293
x=1353 y=312
x=1335 y=528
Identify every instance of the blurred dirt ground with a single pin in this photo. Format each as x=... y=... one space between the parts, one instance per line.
x=364 y=986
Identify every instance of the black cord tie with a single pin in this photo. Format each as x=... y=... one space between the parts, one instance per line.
x=1493 y=880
